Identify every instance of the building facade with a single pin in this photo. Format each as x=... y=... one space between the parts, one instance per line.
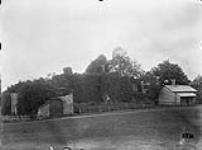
x=177 y=94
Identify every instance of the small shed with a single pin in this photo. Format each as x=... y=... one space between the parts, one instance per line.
x=177 y=94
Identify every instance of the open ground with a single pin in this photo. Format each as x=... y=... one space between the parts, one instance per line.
x=153 y=129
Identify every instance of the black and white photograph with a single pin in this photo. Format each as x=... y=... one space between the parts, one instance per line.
x=101 y=75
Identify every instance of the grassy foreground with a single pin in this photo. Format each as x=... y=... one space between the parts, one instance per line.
x=158 y=129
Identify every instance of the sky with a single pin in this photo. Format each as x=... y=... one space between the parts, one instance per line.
x=40 y=37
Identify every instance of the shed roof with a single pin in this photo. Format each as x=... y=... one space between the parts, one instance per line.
x=180 y=88
x=186 y=94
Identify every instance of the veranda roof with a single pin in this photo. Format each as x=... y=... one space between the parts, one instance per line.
x=186 y=94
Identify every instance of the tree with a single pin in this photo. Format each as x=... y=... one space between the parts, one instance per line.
x=167 y=71
x=97 y=66
x=154 y=87
x=67 y=71
x=6 y=104
x=197 y=84
x=63 y=83
x=32 y=95
x=119 y=52
x=126 y=91
x=123 y=64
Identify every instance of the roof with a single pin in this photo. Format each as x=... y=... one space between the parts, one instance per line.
x=180 y=88
x=186 y=94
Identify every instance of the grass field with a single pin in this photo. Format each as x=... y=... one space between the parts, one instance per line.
x=158 y=129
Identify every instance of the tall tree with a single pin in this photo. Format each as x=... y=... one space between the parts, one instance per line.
x=153 y=86
x=197 y=84
x=68 y=71
x=167 y=71
x=97 y=66
x=32 y=95
x=123 y=64
x=6 y=103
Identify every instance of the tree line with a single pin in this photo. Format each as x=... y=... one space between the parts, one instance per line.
x=119 y=78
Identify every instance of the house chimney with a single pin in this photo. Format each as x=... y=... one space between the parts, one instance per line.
x=173 y=81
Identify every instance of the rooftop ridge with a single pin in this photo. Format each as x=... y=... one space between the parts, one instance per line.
x=181 y=88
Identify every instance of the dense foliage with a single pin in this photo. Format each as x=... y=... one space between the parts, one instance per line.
x=197 y=84
x=167 y=71
x=152 y=85
x=122 y=64
x=99 y=65
x=5 y=103
x=113 y=79
x=32 y=94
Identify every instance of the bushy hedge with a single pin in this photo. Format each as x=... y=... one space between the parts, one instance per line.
x=92 y=88
x=87 y=108
x=87 y=88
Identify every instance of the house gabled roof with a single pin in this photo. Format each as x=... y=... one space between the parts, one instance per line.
x=180 y=88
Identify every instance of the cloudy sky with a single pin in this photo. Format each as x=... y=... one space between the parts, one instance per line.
x=43 y=36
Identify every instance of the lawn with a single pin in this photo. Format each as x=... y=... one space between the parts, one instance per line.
x=141 y=130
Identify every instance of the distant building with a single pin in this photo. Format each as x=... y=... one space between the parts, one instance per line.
x=56 y=107
x=177 y=94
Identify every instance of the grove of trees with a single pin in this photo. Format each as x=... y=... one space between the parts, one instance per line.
x=167 y=71
x=114 y=78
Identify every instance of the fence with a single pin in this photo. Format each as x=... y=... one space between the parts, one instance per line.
x=97 y=108
x=15 y=118
x=86 y=108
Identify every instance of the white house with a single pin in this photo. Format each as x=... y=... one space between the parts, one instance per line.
x=177 y=94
